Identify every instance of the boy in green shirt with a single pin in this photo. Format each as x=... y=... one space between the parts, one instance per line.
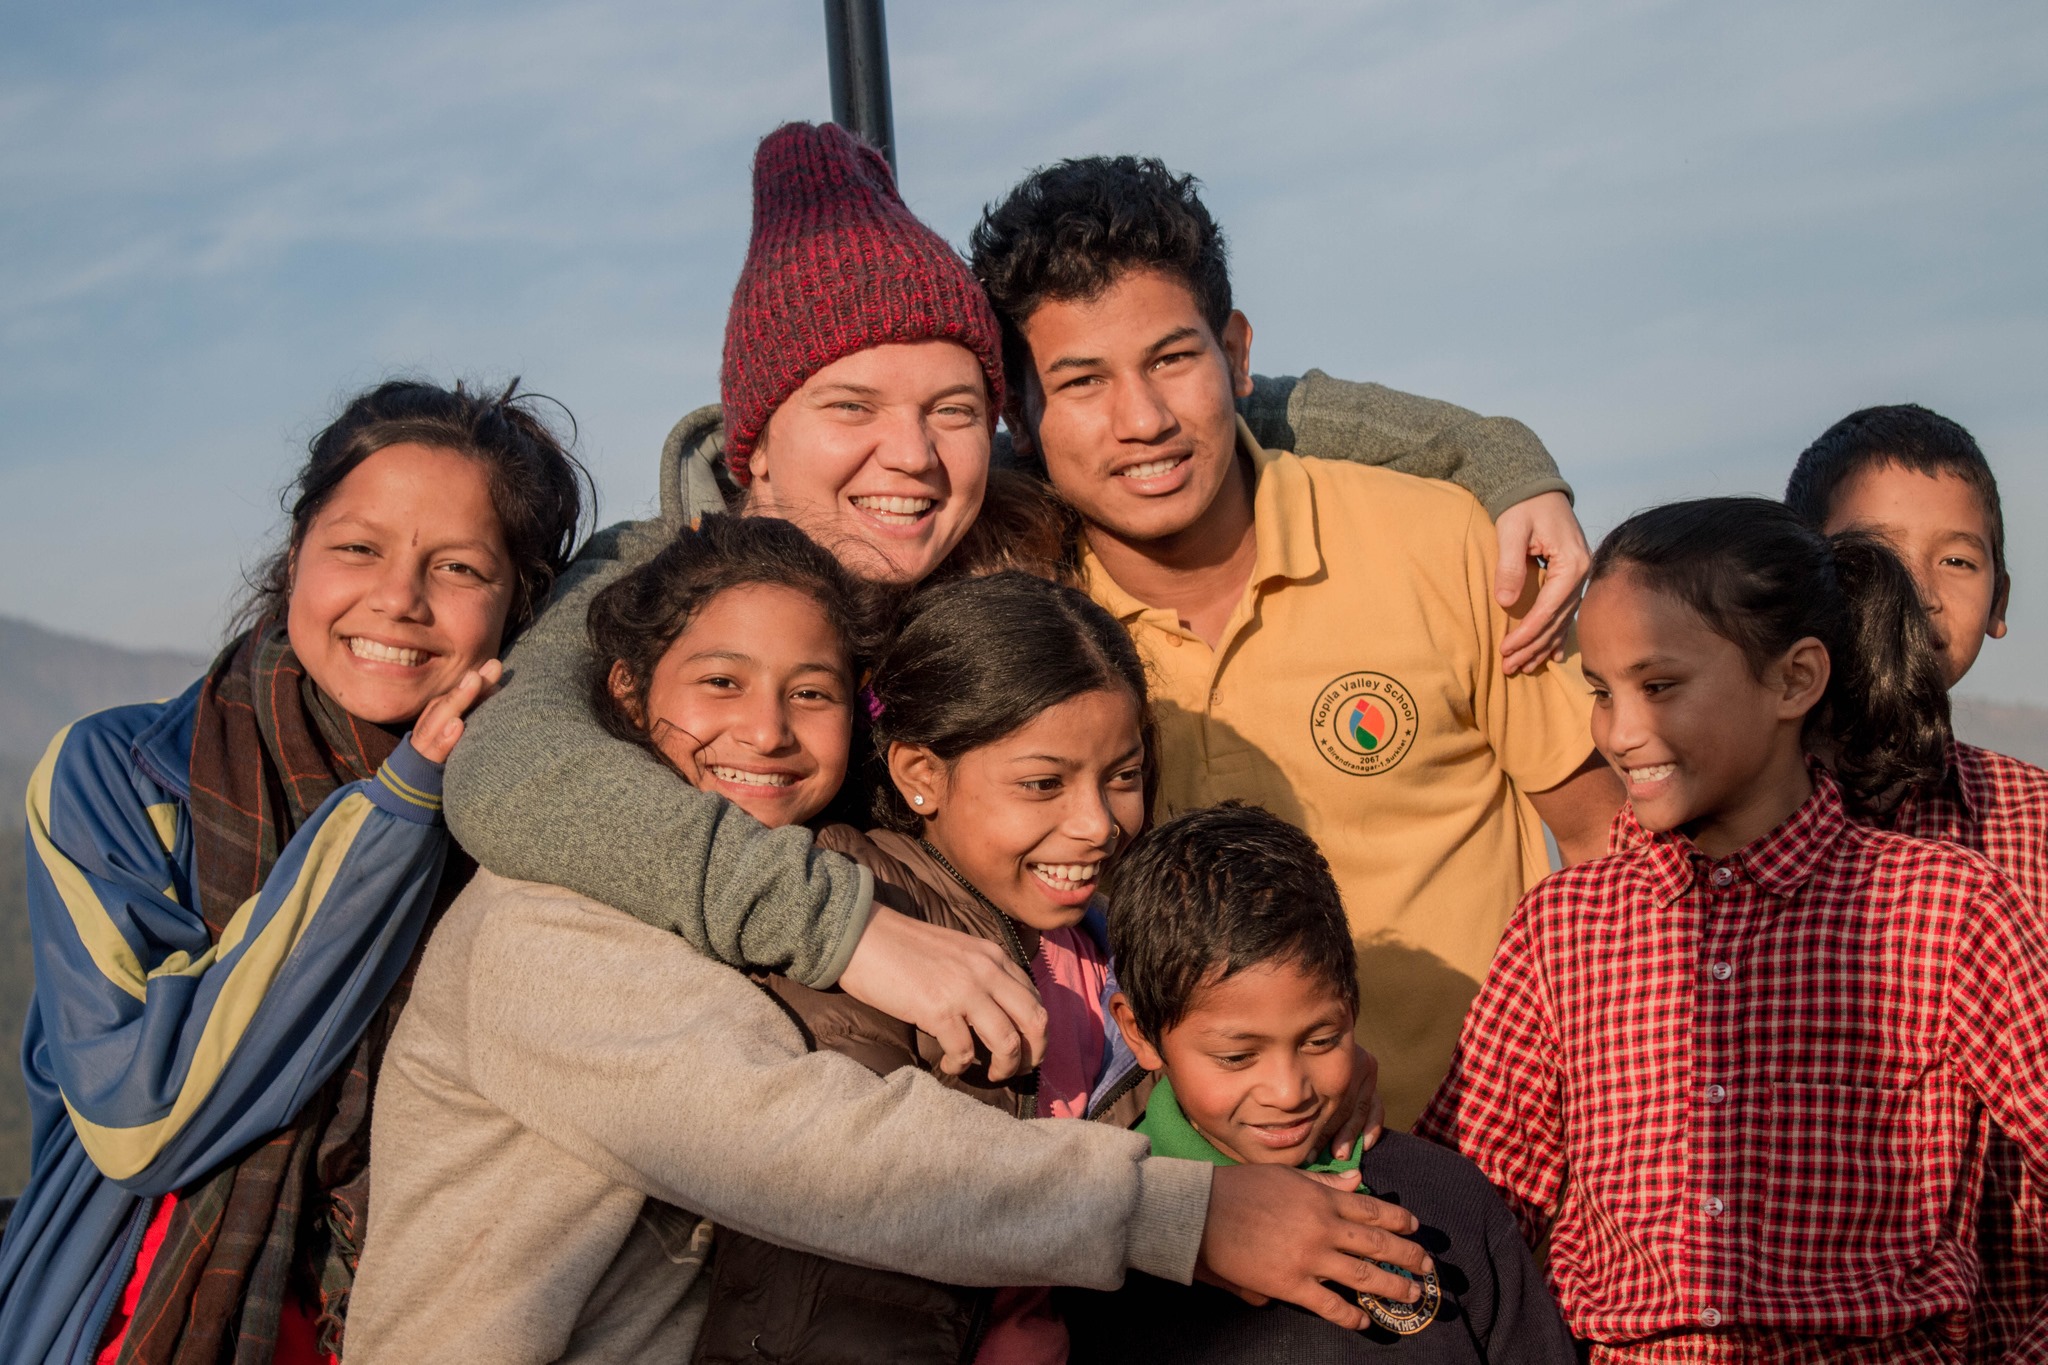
x=1235 y=959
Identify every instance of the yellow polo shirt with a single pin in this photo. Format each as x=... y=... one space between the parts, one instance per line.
x=1358 y=693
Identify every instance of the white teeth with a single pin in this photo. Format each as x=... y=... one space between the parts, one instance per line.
x=1150 y=469
x=744 y=778
x=897 y=511
x=1656 y=772
x=384 y=654
x=1067 y=874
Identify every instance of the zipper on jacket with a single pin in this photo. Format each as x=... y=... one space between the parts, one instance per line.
x=1003 y=921
x=1131 y=1080
x=979 y=1320
x=124 y=1271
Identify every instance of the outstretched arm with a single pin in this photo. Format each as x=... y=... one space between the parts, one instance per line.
x=538 y=790
x=736 y=1120
x=173 y=1051
x=1497 y=459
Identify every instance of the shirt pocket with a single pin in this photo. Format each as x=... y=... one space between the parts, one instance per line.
x=1843 y=1198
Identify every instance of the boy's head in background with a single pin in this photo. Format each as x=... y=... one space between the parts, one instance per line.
x=1918 y=480
x=1239 y=979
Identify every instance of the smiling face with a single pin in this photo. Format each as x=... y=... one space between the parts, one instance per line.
x=1260 y=1061
x=754 y=701
x=1131 y=402
x=882 y=457
x=1939 y=526
x=1703 y=744
x=401 y=583
x=1032 y=819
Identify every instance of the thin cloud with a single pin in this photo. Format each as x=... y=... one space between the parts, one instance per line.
x=1677 y=239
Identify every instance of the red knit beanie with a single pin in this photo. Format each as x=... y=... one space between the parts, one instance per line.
x=837 y=264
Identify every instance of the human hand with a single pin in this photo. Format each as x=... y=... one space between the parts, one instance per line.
x=440 y=725
x=953 y=986
x=1364 y=1117
x=1273 y=1233
x=1540 y=527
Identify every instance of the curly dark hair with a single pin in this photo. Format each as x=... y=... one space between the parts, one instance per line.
x=1761 y=578
x=543 y=496
x=1231 y=886
x=1071 y=230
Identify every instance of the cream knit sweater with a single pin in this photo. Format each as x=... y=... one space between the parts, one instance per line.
x=573 y=1097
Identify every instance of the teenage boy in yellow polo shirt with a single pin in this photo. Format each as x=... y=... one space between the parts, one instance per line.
x=1323 y=636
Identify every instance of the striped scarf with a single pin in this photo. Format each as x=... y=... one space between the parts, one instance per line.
x=286 y=1217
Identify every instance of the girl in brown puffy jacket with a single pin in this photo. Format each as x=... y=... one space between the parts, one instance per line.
x=1010 y=721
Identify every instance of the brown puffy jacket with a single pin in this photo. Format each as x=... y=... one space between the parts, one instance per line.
x=771 y=1303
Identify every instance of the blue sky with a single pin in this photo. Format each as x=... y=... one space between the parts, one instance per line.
x=1677 y=239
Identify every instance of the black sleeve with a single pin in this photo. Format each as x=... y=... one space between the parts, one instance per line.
x=1526 y=1327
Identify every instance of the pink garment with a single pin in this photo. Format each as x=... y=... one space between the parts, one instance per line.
x=1071 y=975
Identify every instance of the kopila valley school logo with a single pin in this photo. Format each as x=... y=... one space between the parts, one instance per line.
x=1363 y=723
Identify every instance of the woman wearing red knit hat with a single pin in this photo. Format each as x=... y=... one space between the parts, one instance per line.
x=863 y=367
x=552 y=1145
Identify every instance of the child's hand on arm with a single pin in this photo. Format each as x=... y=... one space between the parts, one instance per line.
x=440 y=725
x=955 y=987
x=1274 y=1233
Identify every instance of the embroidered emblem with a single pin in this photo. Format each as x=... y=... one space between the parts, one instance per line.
x=1405 y=1319
x=1363 y=723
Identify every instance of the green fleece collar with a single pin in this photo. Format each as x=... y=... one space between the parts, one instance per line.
x=1173 y=1135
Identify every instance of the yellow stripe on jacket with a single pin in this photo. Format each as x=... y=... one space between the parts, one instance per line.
x=125 y=1152
x=89 y=919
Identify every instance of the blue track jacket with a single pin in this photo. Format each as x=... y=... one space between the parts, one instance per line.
x=153 y=1054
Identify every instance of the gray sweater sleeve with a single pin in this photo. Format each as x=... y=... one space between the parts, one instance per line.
x=538 y=790
x=1496 y=459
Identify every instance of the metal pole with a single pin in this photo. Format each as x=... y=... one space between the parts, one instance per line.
x=857 y=50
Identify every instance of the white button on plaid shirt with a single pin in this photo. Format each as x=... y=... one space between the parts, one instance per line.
x=1853 y=994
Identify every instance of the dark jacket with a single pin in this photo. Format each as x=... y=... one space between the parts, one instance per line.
x=771 y=1303
x=1493 y=1306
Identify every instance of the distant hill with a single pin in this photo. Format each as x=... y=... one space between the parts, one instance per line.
x=48 y=680
x=2008 y=727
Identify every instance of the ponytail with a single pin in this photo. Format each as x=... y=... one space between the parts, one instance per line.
x=1886 y=708
x=1760 y=578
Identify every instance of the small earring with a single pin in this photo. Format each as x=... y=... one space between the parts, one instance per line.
x=1116 y=831
x=917 y=800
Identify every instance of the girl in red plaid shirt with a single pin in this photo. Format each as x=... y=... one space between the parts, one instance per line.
x=1740 y=1070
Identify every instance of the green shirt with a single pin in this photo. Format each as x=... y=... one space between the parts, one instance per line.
x=1173 y=1135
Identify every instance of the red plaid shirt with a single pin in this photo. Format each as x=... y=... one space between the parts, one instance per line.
x=1744 y=1094
x=1998 y=806
x=1993 y=804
